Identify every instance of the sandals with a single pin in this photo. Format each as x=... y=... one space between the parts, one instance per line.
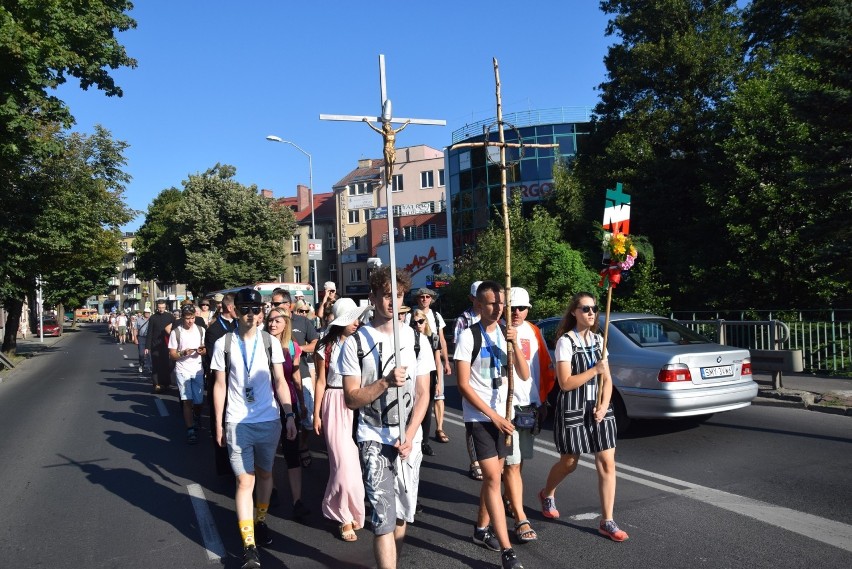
x=527 y=535
x=441 y=436
x=507 y=506
x=305 y=458
x=475 y=471
x=347 y=532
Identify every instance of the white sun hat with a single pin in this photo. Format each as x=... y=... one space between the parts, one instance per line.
x=346 y=312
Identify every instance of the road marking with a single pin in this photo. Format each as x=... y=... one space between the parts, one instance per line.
x=820 y=529
x=124 y=356
x=161 y=407
x=209 y=534
x=581 y=517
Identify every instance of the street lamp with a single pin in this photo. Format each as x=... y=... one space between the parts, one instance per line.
x=274 y=138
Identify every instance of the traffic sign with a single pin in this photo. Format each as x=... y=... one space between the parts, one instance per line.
x=315 y=249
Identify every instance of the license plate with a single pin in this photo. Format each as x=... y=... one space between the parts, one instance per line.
x=717 y=371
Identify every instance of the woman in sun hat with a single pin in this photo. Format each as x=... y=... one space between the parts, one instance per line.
x=344 y=494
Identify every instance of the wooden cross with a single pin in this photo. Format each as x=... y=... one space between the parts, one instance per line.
x=389 y=136
x=503 y=145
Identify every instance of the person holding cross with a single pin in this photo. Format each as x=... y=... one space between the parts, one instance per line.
x=390 y=396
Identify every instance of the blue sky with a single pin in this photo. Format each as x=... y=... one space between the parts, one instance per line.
x=215 y=77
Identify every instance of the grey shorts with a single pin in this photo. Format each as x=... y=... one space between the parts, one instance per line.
x=522 y=447
x=252 y=445
x=390 y=484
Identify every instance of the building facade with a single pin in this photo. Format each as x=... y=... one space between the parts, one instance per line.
x=474 y=176
x=419 y=211
x=299 y=266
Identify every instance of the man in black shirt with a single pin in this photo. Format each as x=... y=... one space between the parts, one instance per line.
x=156 y=344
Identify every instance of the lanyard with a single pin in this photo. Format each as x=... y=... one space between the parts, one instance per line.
x=495 y=358
x=246 y=361
x=588 y=351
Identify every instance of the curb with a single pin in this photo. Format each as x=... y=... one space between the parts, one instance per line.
x=800 y=400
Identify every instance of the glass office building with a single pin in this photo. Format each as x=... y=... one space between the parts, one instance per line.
x=474 y=178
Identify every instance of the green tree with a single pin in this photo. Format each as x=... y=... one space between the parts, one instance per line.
x=785 y=203
x=64 y=225
x=226 y=232
x=654 y=130
x=42 y=44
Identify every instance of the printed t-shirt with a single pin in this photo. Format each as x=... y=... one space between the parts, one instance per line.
x=189 y=340
x=526 y=392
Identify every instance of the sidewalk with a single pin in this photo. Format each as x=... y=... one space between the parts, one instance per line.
x=29 y=347
x=804 y=391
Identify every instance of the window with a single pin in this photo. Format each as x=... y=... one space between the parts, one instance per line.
x=396 y=183
x=354 y=216
x=427 y=179
x=332 y=272
x=297 y=244
x=331 y=241
x=355 y=275
x=358 y=189
x=355 y=243
x=297 y=274
x=441 y=177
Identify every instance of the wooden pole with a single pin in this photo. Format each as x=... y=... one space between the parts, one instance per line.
x=605 y=339
x=510 y=352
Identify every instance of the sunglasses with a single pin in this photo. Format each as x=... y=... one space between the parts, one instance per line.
x=249 y=309
x=204 y=305
x=301 y=312
x=280 y=303
x=587 y=309
x=520 y=308
x=420 y=321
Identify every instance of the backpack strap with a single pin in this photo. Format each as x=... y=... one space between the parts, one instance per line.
x=416 y=344
x=477 y=340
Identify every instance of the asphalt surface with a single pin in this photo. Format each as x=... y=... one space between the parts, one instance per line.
x=96 y=473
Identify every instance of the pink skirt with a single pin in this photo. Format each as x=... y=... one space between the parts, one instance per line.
x=344 y=494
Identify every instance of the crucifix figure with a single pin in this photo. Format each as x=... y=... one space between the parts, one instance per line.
x=502 y=145
x=386 y=119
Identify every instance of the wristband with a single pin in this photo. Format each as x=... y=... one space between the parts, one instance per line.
x=290 y=415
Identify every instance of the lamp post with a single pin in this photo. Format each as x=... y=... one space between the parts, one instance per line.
x=274 y=138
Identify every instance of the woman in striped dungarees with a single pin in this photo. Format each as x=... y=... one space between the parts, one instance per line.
x=580 y=426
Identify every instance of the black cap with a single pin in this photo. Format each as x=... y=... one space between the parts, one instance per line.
x=248 y=296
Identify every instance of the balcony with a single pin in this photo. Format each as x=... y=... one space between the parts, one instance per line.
x=419 y=233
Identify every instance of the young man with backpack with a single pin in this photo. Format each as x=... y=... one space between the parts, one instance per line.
x=186 y=349
x=376 y=386
x=249 y=385
x=481 y=368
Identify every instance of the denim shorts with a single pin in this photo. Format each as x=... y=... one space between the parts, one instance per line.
x=252 y=444
x=191 y=387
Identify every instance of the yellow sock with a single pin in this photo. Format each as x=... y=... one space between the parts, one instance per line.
x=260 y=512
x=247 y=532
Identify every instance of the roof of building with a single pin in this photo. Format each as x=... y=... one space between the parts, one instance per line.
x=362 y=174
x=323 y=206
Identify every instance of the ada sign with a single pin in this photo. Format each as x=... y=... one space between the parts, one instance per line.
x=315 y=249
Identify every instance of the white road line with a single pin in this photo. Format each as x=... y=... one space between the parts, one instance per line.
x=124 y=356
x=820 y=529
x=209 y=534
x=161 y=407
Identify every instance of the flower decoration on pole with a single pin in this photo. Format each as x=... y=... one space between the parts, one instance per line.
x=619 y=254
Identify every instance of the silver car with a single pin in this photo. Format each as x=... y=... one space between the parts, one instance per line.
x=661 y=369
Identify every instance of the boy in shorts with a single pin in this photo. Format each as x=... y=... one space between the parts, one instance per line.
x=376 y=385
x=252 y=383
x=186 y=348
x=484 y=389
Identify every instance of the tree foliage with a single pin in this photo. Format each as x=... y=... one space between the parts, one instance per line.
x=215 y=233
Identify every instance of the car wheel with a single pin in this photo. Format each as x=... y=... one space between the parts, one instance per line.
x=622 y=421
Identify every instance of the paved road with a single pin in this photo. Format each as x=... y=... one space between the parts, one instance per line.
x=96 y=473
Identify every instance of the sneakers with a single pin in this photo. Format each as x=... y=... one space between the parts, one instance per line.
x=510 y=560
x=300 y=510
x=486 y=537
x=191 y=436
x=611 y=530
x=548 y=506
x=251 y=559
x=261 y=533
x=427 y=449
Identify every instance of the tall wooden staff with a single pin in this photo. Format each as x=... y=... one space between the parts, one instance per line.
x=501 y=144
x=389 y=138
x=616 y=220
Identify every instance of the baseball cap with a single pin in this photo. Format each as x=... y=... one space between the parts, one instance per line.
x=329 y=285
x=218 y=297
x=520 y=297
x=248 y=296
x=147 y=309
x=298 y=294
x=474 y=287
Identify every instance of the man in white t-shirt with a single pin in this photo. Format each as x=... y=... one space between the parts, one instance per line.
x=250 y=378
x=186 y=349
x=376 y=385
x=482 y=382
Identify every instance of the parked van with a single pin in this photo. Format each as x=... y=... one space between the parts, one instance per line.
x=86 y=315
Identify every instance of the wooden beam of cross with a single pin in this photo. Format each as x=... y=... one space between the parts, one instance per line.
x=503 y=145
x=389 y=137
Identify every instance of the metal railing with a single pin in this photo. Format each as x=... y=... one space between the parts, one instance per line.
x=826 y=346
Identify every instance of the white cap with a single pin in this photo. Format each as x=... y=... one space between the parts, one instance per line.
x=298 y=293
x=520 y=297
x=473 y=288
x=329 y=285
